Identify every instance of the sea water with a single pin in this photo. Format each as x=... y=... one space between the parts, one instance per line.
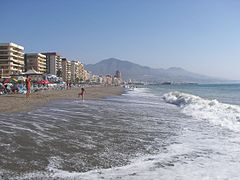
x=156 y=132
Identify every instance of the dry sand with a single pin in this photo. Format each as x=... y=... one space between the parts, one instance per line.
x=19 y=103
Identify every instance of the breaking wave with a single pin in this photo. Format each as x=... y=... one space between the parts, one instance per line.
x=226 y=115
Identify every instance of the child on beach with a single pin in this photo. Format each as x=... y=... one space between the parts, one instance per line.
x=83 y=91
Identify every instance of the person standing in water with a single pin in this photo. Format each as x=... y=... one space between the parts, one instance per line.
x=82 y=93
x=28 y=86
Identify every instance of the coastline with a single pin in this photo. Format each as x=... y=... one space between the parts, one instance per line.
x=18 y=102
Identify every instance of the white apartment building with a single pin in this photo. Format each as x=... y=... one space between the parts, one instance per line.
x=66 y=70
x=53 y=63
x=76 y=70
x=86 y=75
x=36 y=61
x=81 y=71
x=11 y=59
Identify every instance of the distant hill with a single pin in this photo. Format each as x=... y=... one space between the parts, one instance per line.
x=134 y=71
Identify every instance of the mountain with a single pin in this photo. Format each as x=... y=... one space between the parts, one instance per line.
x=134 y=71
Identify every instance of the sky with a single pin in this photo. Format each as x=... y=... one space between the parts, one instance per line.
x=200 y=36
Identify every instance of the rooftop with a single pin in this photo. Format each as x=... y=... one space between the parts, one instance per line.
x=12 y=44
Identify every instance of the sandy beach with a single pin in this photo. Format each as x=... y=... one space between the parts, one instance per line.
x=19 y=103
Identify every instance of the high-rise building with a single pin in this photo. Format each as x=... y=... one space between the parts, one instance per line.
x=118 y=74
x=76 y=68
x=36 y=61
x=81 y=71
x=117 y=79
x=66 y=69
x=11 y=59
x=86 y=75
x=53 y=63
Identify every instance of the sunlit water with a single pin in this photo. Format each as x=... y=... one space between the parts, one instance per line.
x=164 y=132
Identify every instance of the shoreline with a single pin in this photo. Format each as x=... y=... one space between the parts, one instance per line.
x=18 y=102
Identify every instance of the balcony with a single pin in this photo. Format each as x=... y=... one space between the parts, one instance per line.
x=42 y=64
x=16 y=50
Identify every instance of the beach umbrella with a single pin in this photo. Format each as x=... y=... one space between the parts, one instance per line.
x=43 y=82
x=8 y=84
x=40 y=82
x=46 y=82
x=21 y=78
x=7 y=80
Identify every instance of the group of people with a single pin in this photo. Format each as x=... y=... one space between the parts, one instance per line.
x=28 y=87
x=8 y=88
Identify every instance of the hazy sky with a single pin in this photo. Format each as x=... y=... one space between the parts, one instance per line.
x=201 y=36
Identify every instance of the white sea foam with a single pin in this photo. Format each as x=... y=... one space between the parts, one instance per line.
x=180 y=162
x=223 y=114
x=140 y=92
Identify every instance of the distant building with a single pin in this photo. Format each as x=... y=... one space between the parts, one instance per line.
x=81 y=72
x=117 y=78
x=53 y=63
x=108 y=80
x=11 y=59
x=100 y=79
x=118 y=74
x=86 y=75
x=116 y=81
x=36 y=61
x=66 y=70
x=76 y=71
x=95 y=79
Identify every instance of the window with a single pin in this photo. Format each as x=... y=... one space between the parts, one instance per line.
x=3 y=47
x=3 y=57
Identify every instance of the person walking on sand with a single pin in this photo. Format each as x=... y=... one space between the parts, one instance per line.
x=82 y=93
x=70 y=85
x=28 y=86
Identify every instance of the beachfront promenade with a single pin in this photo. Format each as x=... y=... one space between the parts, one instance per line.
x=19 y=102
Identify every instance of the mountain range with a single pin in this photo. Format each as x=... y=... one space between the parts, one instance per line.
x=137 y=72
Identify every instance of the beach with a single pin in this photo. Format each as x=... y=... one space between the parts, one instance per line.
x=19 y=102
x=154 y=132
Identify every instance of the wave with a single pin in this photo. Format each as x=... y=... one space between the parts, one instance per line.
x=178 y=162
x=226 y=115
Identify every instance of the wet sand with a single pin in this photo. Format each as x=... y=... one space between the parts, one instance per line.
x=19 y=103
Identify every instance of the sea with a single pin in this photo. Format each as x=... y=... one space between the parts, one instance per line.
x=165 y=132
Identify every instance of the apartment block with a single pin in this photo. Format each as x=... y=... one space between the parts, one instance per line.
x=81 y=71
x=76 y=69
x=36 y=61
x=11 y=59
x=86 y=75
x=53 y=63
x=66 y=70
